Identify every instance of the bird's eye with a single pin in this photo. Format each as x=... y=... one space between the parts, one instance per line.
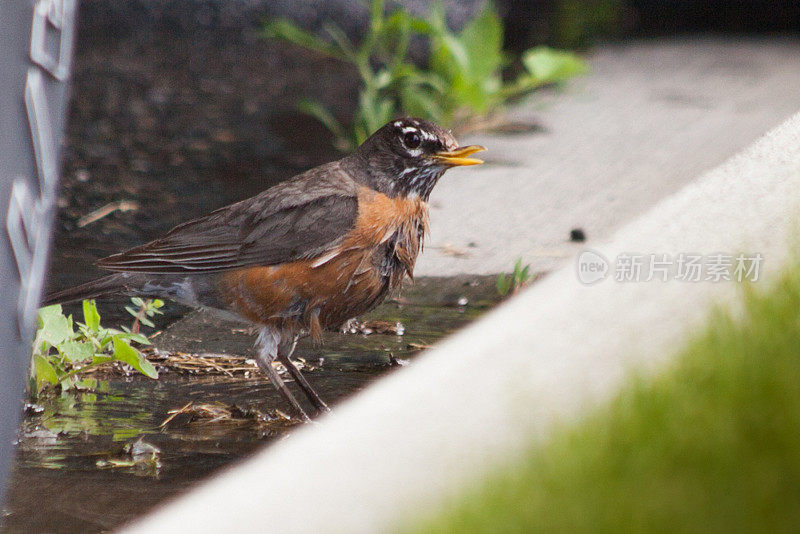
x=412 y=140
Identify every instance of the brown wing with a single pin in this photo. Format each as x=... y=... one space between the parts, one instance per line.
x=301 y=218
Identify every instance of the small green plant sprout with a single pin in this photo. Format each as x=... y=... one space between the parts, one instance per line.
x=518 y=279
x=143 y=312
x=461 y=84
x=61 y=351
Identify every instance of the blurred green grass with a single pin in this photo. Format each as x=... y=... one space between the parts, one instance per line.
x=712 y=444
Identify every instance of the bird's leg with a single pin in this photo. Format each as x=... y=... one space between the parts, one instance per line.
x=285 y=351
x=268 y=342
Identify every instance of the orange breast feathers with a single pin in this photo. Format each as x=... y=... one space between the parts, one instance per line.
x=381 y=217
x=335 y=283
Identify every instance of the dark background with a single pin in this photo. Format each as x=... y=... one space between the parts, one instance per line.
x=556 y=22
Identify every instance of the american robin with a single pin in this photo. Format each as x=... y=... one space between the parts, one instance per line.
x=305 y=255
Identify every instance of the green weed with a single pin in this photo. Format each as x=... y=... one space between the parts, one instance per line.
x=141 y=315
x=61 y=351
x=462 y=81
x=511 y=283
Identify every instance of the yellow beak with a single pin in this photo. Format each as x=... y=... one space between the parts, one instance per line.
x=459 y=156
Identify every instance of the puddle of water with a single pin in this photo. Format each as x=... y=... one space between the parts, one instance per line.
x=68 y=444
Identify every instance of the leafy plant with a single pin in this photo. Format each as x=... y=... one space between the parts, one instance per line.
x=61 y=352
x=518 y=279
x=146 y=309
x=463 y=79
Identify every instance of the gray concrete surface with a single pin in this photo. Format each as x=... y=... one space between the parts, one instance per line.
x=398 y=449
x=649 y=118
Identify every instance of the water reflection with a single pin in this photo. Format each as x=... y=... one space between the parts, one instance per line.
x=75 y=444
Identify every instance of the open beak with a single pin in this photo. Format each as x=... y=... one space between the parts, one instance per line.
x=459 y=156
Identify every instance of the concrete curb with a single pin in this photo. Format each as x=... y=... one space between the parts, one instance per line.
x=394 y=451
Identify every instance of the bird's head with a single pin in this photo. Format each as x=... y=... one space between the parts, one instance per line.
x=407 y=156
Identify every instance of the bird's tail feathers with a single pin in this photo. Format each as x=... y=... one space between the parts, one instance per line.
x=101 y=287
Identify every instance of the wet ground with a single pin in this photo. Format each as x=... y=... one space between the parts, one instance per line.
x=89 y=455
